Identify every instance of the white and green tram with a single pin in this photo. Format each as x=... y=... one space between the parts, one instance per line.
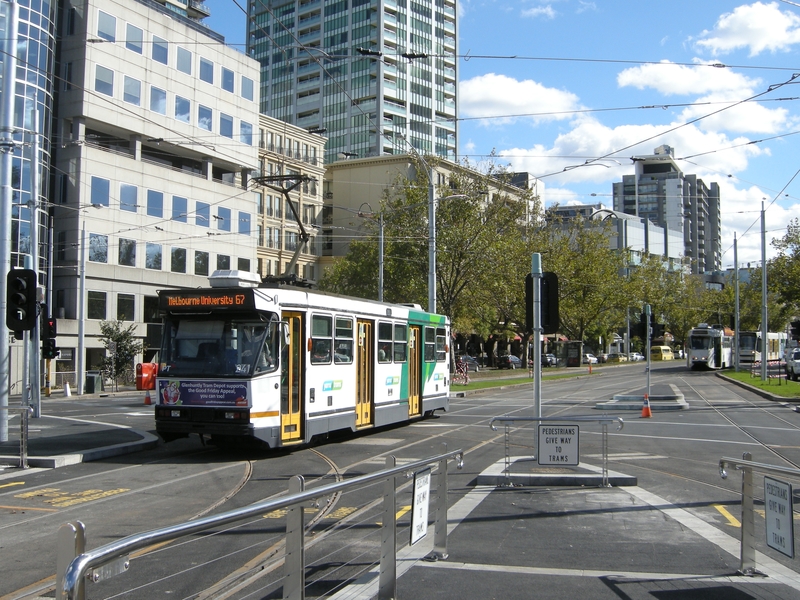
x=283 y=365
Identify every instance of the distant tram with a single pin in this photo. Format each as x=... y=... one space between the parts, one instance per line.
x=750 y=346
x=283 y=365
x=710 y=347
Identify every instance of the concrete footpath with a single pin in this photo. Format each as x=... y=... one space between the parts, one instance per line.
x=58 y=441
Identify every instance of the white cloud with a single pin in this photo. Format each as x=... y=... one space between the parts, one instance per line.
x=671 y=79
x=586 y=6
x=540 y=11
x=761 y=27
x=494 y=95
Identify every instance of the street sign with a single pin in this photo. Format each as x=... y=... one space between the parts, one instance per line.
x=778 y=516
x=419 y=510
x=559 y=445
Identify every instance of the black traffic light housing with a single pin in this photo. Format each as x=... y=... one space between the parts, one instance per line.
x=21 y=299
x=656 y=329
x=795 y=330
x=641 y=328
x=549 y=299
x=48 y=334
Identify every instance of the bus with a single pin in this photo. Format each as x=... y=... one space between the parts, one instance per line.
x=710 y=347
x=283 y=365
x=750 y=346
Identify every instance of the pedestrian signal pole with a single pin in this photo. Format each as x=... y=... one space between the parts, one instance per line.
x=647 y=333
x=536 y=273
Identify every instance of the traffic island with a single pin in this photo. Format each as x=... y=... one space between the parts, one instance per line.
x=658 y=402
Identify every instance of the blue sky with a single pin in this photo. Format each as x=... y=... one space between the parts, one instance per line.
x=551 y=84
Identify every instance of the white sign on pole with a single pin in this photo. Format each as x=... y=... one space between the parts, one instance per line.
x=778 y=515
x=559 y=445
x=419 y=509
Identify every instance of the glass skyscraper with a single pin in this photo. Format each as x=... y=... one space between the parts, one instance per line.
x=378 y=75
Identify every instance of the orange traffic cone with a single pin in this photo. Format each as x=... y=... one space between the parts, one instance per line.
x=646 y=412
x=147 y=400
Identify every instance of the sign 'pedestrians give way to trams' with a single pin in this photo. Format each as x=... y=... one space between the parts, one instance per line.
x=558 y=445
x=419 y=510
x=778 y=515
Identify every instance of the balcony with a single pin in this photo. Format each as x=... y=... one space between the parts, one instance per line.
x=197 y=9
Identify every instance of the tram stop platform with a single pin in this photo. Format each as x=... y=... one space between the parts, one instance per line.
x=662 y=396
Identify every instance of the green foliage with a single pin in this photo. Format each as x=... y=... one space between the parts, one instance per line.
x=119 y=362
x=784 y=269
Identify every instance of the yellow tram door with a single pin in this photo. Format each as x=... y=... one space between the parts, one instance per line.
x=365 y=376
x=292 y=379
x=414 y=365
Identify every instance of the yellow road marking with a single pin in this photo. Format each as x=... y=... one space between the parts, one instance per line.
x=403 y=510
x=61 y=499
x=12 y=483
x=724 y=512
x=28 y=508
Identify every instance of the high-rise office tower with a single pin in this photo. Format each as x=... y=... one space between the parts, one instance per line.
x=378 y=75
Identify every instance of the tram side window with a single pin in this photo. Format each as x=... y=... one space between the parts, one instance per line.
x=441 y=344
x=400 y=343
x=384 y=342
x=430 y=344
x=321 y=339
x=343 y=342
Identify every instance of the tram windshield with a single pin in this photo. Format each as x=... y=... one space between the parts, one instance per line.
x=701 y=342
x=747 y=341
x=203 y=347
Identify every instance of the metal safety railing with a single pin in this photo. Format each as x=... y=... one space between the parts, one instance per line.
x=747 y=554
x=74 y=567
x=24 y=412
x=605 y=420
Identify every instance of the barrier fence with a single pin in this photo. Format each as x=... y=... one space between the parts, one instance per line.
x=75 y=567
x=24 y=412
x=604 y=421
x=747 y=553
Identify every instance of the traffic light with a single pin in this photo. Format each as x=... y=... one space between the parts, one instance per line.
x=549 y=300
x=48 y=335
x=641 y=328
x=657 y=331
x=21 y=299
x=795 y=330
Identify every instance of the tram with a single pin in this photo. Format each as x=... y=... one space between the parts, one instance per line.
x=750 y=346
x=283 y=365
x=710 y=347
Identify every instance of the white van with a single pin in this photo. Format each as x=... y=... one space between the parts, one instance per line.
x=661 y=353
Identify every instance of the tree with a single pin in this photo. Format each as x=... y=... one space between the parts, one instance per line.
x=784 y=269
x=119 y=361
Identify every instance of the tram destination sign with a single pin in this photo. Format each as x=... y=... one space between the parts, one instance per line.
x=194 y=300
x=778 y=516
x=559 y=445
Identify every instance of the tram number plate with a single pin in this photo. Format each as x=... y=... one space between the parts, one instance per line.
x=559 y=445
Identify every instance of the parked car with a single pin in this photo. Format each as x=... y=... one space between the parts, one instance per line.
x=617 y=358
x=602 y=357
x=549 y=360
x=589 y=359
x=636 y=356
x=793 y=364
x=472 y=363
x=509 y=361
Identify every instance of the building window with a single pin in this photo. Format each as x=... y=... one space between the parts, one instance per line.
x=98 y=248
x=132 y=91
x=243 y=264
x=200 y=263
x=127 y=252
x=223 y=262
x=68 y=76
x=104 y=81
x=125 y=307
x=134 y=38
x=227 y=80
x=244 y=223
x=183 y=109
x=178 y=263
x=61 y=245
x=100 y=191
x=128 y=197
x=158 y=100
x=160 y=50
x=96 y=305
x=184 y=64
x=224 y=218
x=153 y=256
x=106 y=26
x=204 y=117
x=179 y=209
x=203 y=214
x=247 y=88
x=226 y=125
x=260 y=229
x=155 y=204
x=246 y=133
x=206 y=70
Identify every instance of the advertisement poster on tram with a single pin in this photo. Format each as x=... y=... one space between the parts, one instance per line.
x=174 y=392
